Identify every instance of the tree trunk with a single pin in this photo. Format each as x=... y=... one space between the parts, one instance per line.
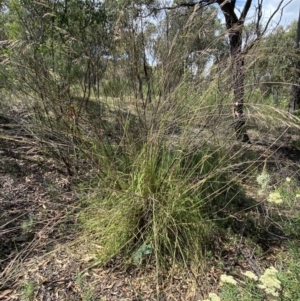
x=238 y=85
x=295 y=93
x=235 y=29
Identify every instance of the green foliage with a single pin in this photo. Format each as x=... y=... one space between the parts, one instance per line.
x=272 y=284
x=289 y=275
x=279 y=285
x=165 y=200
x=28 y=291
x=84 y=69
x=27 y=225
x=115 y=88
x=142 y=251
x=274 y=66
x=289 y=194
x=87 y=293
x=263 y=180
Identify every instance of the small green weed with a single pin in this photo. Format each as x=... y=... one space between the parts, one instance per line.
x=250 y=287
x=274 y=284
x=141 y=253
x=28 y=291
x=289 y=273
x=263 y=180
x=290 y=193
x=27 y=225
x=86 y=291
x=287 y=196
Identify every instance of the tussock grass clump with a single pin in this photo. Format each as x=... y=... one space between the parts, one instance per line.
x=165 y=205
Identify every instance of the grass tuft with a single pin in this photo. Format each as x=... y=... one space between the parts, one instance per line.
x=167 y=201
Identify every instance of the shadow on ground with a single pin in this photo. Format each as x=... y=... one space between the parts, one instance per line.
x=36 y=201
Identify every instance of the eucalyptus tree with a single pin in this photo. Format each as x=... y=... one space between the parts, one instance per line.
x=130 y=47
x=274 y=64
x=235 y=18
x=235 y=26
x=55 y=55
x=58 y=43
x=185 y=43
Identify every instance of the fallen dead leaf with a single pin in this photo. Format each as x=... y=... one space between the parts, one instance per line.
x=4 y=294
x=88 y=258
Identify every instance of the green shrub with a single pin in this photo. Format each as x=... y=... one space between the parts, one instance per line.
x=114 y=88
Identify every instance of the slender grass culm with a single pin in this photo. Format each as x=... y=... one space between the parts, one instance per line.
x=166 y=200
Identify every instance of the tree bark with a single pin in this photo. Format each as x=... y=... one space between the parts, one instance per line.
x=235 y=29
x=239 y=93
